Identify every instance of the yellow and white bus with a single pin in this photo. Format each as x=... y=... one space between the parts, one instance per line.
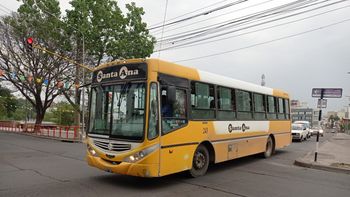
x=151 y=118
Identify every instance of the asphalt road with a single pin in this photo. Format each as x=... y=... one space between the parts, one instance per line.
x=32 y=166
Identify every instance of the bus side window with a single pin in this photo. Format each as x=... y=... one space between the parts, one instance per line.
x=174 y=115
x=259 y=106
x=271 y=108
x=244 y=105
x=286 y=108
x=202 y=101
x=281 y=113
x=226 y=104
x=153 y=112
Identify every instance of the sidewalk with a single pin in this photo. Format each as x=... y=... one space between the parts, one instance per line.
x=333 y=155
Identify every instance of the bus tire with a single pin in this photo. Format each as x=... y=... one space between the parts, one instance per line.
x=270 y=147
x=200 y=162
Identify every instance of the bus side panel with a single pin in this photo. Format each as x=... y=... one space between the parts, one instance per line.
x=283 y=140
x=239 y=148
x=282 y=132
x=176 y=159
x=179 y=146
x=251 y=146
x=225 y=151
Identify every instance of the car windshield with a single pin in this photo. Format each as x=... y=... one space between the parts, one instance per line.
x=297 y=127
x=118 y=110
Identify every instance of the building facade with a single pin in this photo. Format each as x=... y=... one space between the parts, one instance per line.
x=306 y=114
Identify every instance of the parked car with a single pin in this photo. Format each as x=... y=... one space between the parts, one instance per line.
x=306 y=124
x=315 y=130
x=299 y=132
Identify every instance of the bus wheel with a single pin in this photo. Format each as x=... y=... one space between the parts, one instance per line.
x=200 y=162
x=270 y=146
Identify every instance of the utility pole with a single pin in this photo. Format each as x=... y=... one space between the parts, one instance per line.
x=263 y=80
x=319 y=122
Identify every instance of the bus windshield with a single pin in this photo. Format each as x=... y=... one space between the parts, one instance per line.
x=118 y=110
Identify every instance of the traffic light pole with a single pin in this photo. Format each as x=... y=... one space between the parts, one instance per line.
x=83 y=99
x=319 y=122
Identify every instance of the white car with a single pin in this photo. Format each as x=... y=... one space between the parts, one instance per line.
x=299 y=132
x=306 y=124
x=315 y=130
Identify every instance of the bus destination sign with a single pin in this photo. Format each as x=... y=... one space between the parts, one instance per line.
x=327 y=92
x=120 y=73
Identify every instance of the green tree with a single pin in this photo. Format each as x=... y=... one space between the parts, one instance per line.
x=8 y=103
x=109 y=35
x=63 y=114
x=35 y=74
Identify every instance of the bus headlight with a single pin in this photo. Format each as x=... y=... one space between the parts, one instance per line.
x=92 y=151
x=141 y=154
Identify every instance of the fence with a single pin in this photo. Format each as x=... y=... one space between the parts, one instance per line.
x=70 y=133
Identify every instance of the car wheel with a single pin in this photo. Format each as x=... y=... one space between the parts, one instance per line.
x=270 y=147
x=200 y=162
x=301 y=139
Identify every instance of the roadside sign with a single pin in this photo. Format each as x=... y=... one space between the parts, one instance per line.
x=322 y=103
x=327 y=92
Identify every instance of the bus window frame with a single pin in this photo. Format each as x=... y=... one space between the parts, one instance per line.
x=264 y=106
x=275 y=108
x=251 y=106
x=187 y=113
x=113 y=83
x=201 y=109
x=234 y=106
x=149 y=111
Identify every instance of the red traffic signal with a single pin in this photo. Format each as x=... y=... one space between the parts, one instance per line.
x=30 y=40
x=30 y=43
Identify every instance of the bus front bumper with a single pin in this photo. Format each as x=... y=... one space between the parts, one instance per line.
x=133 y=169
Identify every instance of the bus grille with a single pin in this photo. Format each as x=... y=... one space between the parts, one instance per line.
x=112 y=146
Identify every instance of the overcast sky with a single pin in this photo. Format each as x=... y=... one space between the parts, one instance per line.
x=320 y=58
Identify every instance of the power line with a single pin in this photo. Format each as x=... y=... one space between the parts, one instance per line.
x=165 y=12
x=198 y=15
x=219 y=26
x=159 y=23
x=198 y=42
x=5 y=7
x=266 y=42
x=223 y=34
x=206 y=20
x=6 y=12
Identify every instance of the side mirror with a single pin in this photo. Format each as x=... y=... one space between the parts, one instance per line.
x=171 y=94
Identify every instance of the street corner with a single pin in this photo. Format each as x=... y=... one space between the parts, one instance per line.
x=332 y=156
x=333 y=167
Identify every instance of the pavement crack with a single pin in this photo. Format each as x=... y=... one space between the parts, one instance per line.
x=36 y=172
x=50 y=153
x=47 y=176
x=262 y=174
x=215 y=189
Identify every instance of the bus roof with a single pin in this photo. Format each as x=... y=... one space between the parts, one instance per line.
x=198 y=75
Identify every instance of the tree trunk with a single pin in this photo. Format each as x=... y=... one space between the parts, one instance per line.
x=38 y=120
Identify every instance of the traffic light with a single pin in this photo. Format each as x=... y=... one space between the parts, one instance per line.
x=30 y=43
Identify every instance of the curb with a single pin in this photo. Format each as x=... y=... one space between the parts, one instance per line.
x=314 y=165
x=44 y=137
